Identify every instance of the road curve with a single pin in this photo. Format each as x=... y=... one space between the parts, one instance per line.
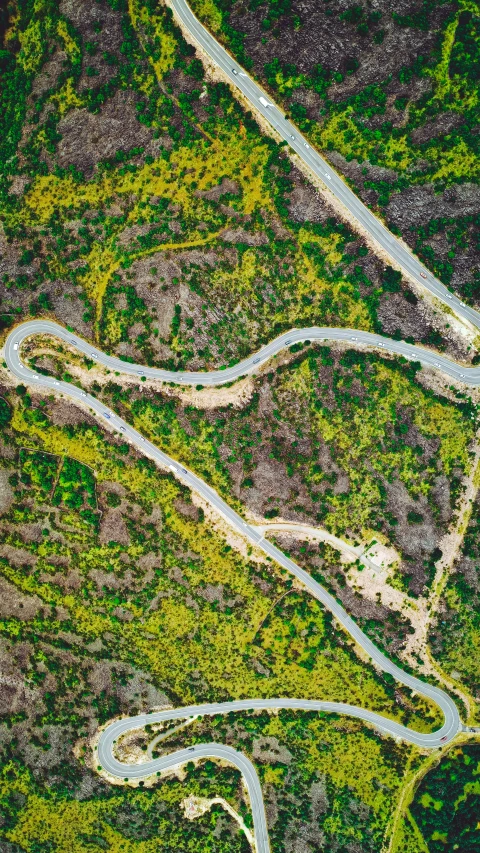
x=431 y=740
x=426 y=357
x=402 y=257
x=116 y=768
x=395 y=248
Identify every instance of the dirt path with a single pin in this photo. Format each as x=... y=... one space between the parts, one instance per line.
x=450 y=545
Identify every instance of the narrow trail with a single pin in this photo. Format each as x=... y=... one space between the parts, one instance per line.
x=452 y=724
x=319 y=534
x=403 y=259
x=401 y=256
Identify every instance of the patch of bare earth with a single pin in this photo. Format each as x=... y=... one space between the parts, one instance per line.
x=6 y=491
x=113 y=528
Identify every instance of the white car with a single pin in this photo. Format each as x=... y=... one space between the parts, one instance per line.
x=292 y=136
x=233 y=71
x=328 y=177
x=306 y=145
x=83 y=394
x=92 y=355
x=56 y=383
x=15 y=346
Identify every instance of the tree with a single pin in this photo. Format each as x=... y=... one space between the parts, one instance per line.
x=5 y=413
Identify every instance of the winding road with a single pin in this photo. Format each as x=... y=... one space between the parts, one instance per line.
x=403 y=258
x=452 y=724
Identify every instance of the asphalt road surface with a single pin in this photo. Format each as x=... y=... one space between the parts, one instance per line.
x=394 y=247
x=432 y=740
x=427 y=358
x=404 y=258
x=117 y=769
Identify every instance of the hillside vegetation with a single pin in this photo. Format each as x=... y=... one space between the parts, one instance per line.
x=390 y=95
x=142 y=206
x=455 y=635
x=117 y=597
x=346 y=440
